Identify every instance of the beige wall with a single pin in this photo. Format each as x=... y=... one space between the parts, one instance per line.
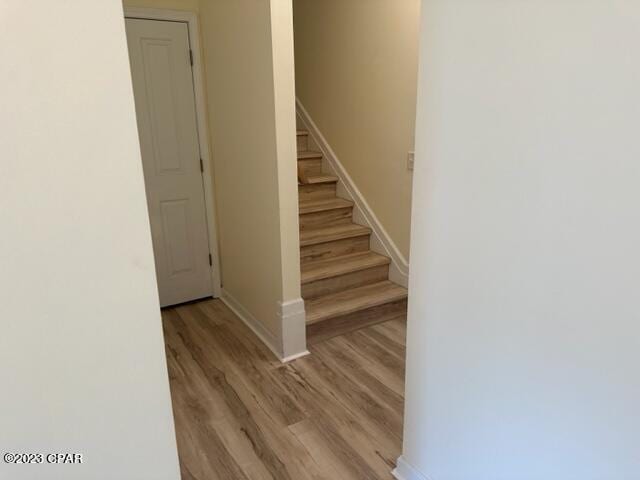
x=523 y=338
x=257 y=228
x=356 y=67
x=285 y=130
x=189 y=5
x=82 y=365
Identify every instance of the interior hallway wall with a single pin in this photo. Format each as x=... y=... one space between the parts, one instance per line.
x=524 y=331
x=356 y=74
x=82 y=363
x=247 y=50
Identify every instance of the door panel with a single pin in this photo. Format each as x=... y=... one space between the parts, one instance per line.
x=165 y=107
x=176 y=229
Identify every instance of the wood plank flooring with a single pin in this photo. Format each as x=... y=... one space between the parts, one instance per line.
x=241 y=414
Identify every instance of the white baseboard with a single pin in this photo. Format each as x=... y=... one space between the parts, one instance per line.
x=293 y=344
x=404 y=471
x=380 y=240
x=268 y=338
x=294 y=329
x=291 y=358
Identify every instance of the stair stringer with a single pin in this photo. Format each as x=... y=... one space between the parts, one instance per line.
x=381 y=242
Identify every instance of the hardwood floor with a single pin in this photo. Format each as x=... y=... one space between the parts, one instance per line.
x=241 y=414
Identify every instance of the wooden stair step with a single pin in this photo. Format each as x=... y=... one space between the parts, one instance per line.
x=342 y=265
x=332 y=233
x=319 y=179
x=316 y=187
x=323 y=205
x=353 y=300
x=302 y=132
x=304 y=155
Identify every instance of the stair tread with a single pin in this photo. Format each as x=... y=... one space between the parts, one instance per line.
x=353 y=300
x=309 y=154
x=302 y=132
x=341 y=265
x=312 y=206
x=316 y=179
x=332 y=233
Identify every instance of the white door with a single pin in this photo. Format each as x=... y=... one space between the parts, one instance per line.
x=163 y=86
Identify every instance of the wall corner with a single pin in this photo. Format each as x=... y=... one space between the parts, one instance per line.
x=293 y=328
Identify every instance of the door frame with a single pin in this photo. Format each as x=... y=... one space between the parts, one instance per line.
x=191 y=19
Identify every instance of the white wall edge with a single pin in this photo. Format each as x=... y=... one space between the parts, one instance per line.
x=381 y=242
x=191 y=19
x=292 y=316
x=405 y=471
x=250 y=321
x=294 y=329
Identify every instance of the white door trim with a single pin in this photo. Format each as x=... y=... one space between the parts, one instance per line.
x=191 y=19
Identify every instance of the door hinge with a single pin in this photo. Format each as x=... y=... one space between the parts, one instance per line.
x=191 y=57
x=210 y=260
x=201 y=166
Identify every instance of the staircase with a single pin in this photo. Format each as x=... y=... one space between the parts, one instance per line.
x=345 y=285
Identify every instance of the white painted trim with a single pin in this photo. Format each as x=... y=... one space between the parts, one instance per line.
x=191 y=19
x=291 y=358
x=381 y=242
x=405 y=471
x=291 y=312
x=160 y=14
x=250 y=321
x=294 y=329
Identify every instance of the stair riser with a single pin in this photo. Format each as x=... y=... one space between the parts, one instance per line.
x=317 y=191
x=311 y=166
x=343 y=282
x=338 y=216
x=303 y=143
x=336 y=248
x=326 y=329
